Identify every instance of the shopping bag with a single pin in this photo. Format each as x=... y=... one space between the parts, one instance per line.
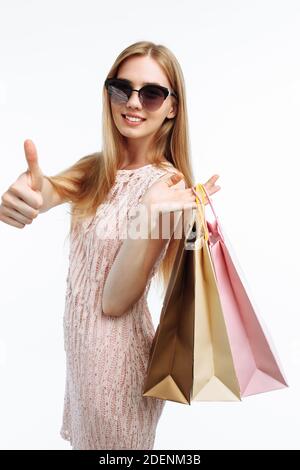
x=256 y=363
x=214 y=375
x=169 y=374
x=190 y=356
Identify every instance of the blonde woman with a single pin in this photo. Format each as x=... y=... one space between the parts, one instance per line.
x=144 y=164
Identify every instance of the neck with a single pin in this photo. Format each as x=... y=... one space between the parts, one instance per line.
x=137 y=152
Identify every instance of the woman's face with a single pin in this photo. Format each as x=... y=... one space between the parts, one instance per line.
x=140 y=70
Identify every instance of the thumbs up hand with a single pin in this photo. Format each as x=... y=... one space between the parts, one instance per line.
x=23 y=199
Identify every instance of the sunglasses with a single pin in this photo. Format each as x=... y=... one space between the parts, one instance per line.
x=151 y=96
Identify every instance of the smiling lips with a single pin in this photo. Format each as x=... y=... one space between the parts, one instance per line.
x=132 y=120
x=134 y=116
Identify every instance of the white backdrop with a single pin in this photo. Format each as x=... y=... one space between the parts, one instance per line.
x=241 y=65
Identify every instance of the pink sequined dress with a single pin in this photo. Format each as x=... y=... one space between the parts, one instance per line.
x=107 y=357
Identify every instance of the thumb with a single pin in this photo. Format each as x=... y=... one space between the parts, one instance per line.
x=174 y=178
x=34 y=171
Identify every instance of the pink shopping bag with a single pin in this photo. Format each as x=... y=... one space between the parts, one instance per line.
x=257 y=366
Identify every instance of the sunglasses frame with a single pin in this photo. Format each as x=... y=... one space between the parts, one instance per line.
x=164 y=89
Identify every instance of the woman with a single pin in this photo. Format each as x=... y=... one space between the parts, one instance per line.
x=108 y=328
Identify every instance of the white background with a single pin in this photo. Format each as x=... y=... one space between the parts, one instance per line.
x=241 y=65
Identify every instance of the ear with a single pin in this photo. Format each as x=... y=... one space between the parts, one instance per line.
x=173 y=111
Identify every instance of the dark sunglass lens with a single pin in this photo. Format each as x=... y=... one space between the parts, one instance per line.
x=118 y=91
x=152 y=97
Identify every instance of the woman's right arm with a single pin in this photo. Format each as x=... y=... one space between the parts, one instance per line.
x=50 y=196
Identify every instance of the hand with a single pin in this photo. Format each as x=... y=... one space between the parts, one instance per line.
x=23 y=199
x=166 y=196
x=210 y=187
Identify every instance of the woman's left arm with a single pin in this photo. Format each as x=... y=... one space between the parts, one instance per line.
x=128 y=276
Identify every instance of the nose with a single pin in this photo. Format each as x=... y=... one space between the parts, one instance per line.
x=134 y=100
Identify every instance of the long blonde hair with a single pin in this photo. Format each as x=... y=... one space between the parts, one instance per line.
x=86 y=183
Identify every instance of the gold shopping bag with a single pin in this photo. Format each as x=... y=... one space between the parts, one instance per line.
x=170 y=368
x=190 y=357
x=214 y=376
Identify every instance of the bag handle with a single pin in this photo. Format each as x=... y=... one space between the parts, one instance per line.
x=200 y=187
x=201 y=210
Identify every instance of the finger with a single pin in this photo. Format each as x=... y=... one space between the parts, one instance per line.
x=33 y=166
x=14 y=202
x=174 y=179
x=10 y=221
x=214 y=189
x=210 y=184
x=30 y=198
x=171 y=178
x=212 y=179
x=16 y=215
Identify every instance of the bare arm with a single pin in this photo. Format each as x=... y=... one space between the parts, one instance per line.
x=50 y=196
x=130 y=271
